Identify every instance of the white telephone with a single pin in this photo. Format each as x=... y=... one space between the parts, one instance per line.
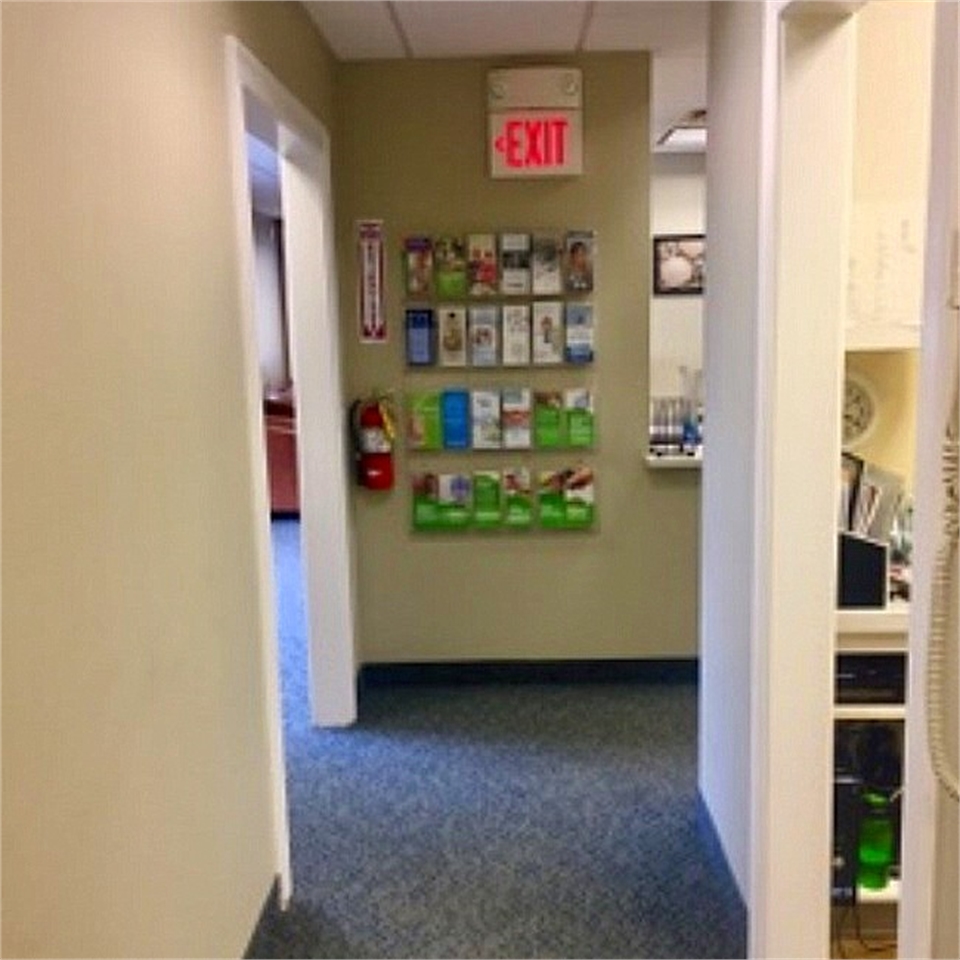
x=942 y=588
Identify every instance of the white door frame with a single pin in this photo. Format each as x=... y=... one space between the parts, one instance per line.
x=303 y=147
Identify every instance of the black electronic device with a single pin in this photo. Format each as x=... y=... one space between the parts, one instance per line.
x=861 y=572
x=846 y=833
x=871 y=678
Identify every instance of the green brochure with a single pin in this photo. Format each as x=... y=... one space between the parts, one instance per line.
x=424 y=424
x=548 y=416
x=517 y=499
x=578 y=406
x=487 y=499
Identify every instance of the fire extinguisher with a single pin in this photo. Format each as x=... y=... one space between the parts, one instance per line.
x=371 y=422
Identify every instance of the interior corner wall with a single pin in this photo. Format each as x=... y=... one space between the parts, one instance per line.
x=677 y=205
x=136 y=795
x=731 y=324
x=412 y=153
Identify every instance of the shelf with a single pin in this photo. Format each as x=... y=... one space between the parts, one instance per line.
x=882 y=336
x=674 y=461
x=889 y=894
x=873 y=631
x=869 y=711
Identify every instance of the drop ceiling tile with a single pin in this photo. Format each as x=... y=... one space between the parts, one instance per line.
x=461 y=28
x=357 y=31
x=677 y=26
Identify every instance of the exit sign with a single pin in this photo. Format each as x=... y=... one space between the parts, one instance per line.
x=536 y=143
x=535 y=122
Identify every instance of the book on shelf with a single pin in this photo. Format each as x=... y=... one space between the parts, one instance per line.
x=578 y=256
x=484 y=329
x=421 y=336
x=517 y=498
x=455 y=419
x=485 y=414
x=452 y=335
x=449 y=267
x=578 y=407
x=516 y=334
x=487 y=499
x=548 y=340
x=514 y=263
x=424 y=420
x=579 y=333
x=516 y=415
x=547 y=264
x=418 y=266
x=482 y=264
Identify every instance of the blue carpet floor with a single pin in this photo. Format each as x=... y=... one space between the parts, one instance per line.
x=496 y=820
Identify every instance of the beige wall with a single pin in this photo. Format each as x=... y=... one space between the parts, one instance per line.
x=412 y=152
x=136 y=816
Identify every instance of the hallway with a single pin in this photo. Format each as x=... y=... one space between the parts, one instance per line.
x=519 y=820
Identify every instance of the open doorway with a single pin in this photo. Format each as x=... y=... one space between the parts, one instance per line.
x=260 y=107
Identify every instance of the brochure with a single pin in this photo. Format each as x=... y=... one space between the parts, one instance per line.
x=485 y=409
x=547 y=254
x=566 y=498
x=517 y=499
x=516 y=414
x=487 y=499
x=454 y=500
x=482 y=264
x=579 y=322
x=418 y=266
x=421 y=343
x=578 y=406
x=547 y=419
x=424 y=422
x=516 y=334
x=547 y=332
x=550 y=499
x=514 y=263
x=452 y=334
x=426 y=501
x=578 y=495
x=455 y=419
x=579 y=246
x=484 y=335
x=450 y=268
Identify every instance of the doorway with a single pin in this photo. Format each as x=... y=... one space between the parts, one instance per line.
x=262 y=108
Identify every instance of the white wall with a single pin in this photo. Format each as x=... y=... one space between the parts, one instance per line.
x=269 y=303
x=677 y=205
x=732 y=318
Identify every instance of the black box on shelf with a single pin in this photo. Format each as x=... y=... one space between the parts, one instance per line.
x=861 y=571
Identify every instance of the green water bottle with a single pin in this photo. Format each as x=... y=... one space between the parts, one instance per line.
x=876 y=841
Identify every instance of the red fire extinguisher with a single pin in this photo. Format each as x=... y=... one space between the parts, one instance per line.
x=373 y=432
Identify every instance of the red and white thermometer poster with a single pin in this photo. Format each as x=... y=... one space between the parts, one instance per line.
x=373 y=324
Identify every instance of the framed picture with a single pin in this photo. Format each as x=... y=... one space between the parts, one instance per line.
x=678 y=264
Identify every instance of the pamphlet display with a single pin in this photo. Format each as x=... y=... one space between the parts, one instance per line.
x=424 y=421
x=485 y=408
x=517 y=416
x=421 y=342
x=484 y=325
x=482 y=264
x=547 y=255
x=487 y=499
x=452 y=335
x=455 y=419
x=450 y=268
x=516 y=334
x=566 y=498
x=515 y=264
x=517 y=499
x=547 y=332
x=500 y=300
x=579 y=336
